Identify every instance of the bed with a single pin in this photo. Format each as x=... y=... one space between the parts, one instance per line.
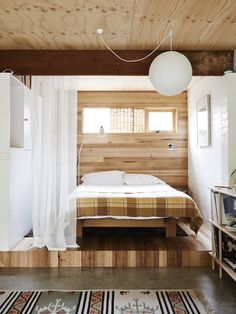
x=157 y=205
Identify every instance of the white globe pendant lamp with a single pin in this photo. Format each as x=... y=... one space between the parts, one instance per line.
x=170 y=73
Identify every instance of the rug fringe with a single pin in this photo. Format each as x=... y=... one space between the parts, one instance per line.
x=207 y=306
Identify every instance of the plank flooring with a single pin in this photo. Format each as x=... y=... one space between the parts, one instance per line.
x=113 y=251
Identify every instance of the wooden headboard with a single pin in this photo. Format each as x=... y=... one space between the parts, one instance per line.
x=137 y=153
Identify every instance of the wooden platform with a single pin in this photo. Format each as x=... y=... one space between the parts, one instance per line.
x=95 y=251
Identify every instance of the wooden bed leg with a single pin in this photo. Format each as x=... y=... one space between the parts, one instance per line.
x=79 y=231
x=171 y=227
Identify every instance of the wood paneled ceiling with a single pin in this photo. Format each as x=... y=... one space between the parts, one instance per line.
x=128 y=24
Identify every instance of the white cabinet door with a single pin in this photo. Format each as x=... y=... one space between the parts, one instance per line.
x=4 y=112
x=4 y=203
x=28 y=102
x=17 y=116
x=20 y=194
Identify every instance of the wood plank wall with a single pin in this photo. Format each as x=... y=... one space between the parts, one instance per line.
x=136 y=153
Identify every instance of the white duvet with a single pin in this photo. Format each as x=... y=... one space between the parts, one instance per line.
x=154 y=190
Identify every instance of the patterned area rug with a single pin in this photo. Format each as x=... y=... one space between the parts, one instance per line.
x=103 y=302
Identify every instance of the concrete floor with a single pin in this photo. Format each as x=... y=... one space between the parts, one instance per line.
x=221 y=293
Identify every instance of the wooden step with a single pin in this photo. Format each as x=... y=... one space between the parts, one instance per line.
x=147 y=251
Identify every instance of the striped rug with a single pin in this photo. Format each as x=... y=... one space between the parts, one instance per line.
x=103 y=302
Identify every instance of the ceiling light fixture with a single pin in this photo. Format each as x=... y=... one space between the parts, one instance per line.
x=170 y=72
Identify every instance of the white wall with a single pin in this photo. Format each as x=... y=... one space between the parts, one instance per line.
x=209 y=166
x=4 y=203
x=231 y=94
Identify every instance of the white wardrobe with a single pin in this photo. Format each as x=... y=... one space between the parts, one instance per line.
x=15 y=161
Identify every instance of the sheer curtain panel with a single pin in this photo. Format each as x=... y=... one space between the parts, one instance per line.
x=54 y=130
x=127 y=120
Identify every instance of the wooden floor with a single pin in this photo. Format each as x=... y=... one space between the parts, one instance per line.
x=97 y=251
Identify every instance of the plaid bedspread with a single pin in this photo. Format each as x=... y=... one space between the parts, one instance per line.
x=140 y=207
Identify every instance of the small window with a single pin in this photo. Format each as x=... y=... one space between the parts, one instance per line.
x=114 y=120
x=160 y=120
x=128 y=120
x=94 y=118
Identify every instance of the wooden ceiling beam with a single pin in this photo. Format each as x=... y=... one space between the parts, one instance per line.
x=102 y=62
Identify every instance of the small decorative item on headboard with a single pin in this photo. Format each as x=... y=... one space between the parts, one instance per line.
x=102 y=131
x=170 y=146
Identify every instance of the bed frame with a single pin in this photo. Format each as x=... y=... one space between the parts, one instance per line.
x=168 y=223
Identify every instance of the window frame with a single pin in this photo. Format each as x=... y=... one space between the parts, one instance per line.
x=162 y=109
x=146 y=117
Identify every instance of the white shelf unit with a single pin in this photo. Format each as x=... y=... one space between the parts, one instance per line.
x=216 y=222
x=15 y=161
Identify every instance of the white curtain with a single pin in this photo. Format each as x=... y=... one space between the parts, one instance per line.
x=127 y=120
x=54 y=133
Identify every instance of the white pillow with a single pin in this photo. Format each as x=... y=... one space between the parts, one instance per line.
x=134 y=179
x=113 y=177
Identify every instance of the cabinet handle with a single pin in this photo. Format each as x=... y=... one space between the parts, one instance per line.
x=26 y=119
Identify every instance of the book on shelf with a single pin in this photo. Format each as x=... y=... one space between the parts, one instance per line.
x=216 y=240
x=228 y=208
x=215 y=207
x=232 y=264
x=229 y=251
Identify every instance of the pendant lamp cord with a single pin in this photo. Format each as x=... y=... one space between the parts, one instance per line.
x=171 y=40
x=141 y=59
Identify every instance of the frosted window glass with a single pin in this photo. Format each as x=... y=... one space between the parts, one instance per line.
x=94 y=118
x=160 y=121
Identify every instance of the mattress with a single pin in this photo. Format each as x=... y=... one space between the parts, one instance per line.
x=136 y=202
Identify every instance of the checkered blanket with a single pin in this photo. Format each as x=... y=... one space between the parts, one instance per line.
x=166 y=202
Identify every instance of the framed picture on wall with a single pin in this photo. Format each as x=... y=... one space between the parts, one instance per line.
x=204 y=121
